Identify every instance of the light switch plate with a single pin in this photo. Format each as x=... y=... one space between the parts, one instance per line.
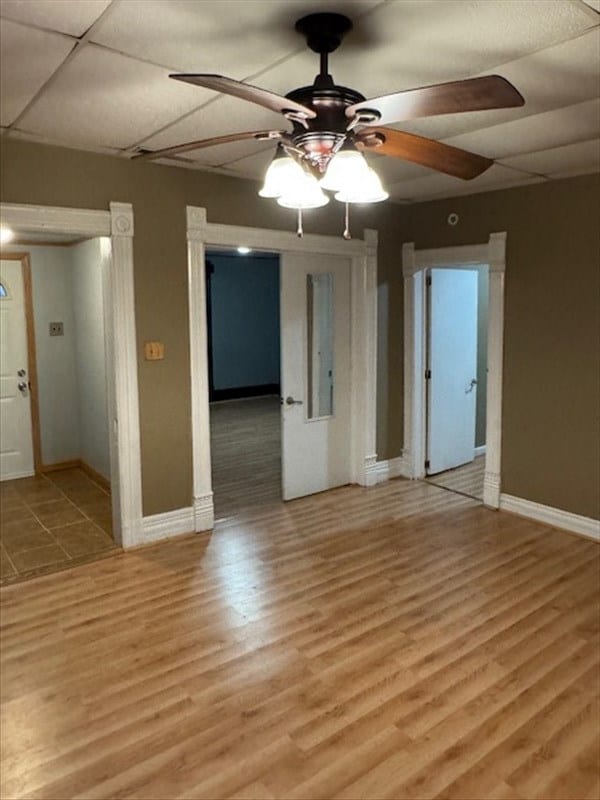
x=154 y=351
x=56 y=329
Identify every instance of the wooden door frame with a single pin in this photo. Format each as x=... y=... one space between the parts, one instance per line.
x=34 y=406
x=363 y=256
x=115 y=224
x=414 y=264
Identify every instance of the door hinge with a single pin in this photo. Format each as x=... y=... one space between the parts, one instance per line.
x=428 y=280
x=427 y=374
x=427 y=464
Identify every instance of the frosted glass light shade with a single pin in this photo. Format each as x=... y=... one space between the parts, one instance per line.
x=346 y=169
x=367 y=190
x=304 y=194
x=282 y=174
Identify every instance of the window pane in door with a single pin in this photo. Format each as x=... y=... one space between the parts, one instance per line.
x=320 y=345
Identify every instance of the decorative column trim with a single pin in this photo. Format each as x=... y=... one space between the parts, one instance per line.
x=203 y=506
x=127 y=422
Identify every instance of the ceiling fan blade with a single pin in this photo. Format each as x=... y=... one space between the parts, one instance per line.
x=473 y=94
x=213 y=142
x=245 y=91
x=427 y=152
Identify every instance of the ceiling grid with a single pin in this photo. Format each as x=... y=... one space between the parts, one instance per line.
x=94 y=75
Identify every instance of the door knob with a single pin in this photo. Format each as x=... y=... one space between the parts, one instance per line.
x=22 y=386
x=291 y=402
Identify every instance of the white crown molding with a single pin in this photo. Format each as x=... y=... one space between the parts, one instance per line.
x=56 y=220
x=167 y=525
x=556 y=517
x=269 y=239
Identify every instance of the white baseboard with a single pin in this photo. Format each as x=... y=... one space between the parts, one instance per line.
x=480 y=451
x=171 y=523
x=584 y=526
x=390 y=468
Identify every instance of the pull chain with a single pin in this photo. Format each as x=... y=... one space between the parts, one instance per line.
x=347 y=223
x=300 y=231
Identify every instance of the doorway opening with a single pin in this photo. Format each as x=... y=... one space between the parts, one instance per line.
x=456 y=318
x=55 y=461
x=243 y=348
x=319 y=451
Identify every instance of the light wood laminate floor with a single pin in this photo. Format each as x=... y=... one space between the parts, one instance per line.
x=395 y=642
x=467 y=479
x=245 y=441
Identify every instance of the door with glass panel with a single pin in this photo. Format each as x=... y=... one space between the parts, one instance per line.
x=315 y=373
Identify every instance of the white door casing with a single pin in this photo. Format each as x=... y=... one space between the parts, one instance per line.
x=363 y=255
x=116 y=223
x=316 y=427
x=16 y=440
x=452 y=368
x=414 y=263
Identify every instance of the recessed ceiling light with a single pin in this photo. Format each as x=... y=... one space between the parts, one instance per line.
x=5 y=235
x=243 y=251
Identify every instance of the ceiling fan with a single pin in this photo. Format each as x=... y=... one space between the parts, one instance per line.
x=326 y=117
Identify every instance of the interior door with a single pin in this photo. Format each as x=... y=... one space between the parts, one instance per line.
x=315 y=373
x=452 y=368
x=16 y=442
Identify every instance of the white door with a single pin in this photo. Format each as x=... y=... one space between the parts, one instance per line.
x=16 y=444
x=452 y=364
x=315 y=373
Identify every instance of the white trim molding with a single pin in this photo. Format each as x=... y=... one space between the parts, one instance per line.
x=167 y=525
x=363 y=256
x=414 y=264
x=556 y=517
x=480 y=451
x=390 y=468
x=117 y=223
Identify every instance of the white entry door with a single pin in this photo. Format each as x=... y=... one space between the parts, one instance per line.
x=16 y=444
x=452 y=364
x=315 y=373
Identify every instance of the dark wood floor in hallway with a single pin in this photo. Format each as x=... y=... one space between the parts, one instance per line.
x=396 y=642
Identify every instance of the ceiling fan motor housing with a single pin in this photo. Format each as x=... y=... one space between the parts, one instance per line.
x=321 y=137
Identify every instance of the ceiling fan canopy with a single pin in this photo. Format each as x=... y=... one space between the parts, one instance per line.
x=326 y=117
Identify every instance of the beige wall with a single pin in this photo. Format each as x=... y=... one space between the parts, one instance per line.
x=43 y=175
x=551 y=395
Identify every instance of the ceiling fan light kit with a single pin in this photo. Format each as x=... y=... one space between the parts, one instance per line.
x=332 y=126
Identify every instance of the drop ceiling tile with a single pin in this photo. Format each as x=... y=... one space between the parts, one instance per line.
x=419 y=42
x=559 y=76
x=27 y=59
x=580 y=157
x=104 y=99
x=236 y=38
x=221 y=116
x=544 y=131
x=438 y=185
x=28 y=136
x=252 y=166
x=67 y=16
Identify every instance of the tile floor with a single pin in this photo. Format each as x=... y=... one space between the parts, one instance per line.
x=52 y=521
